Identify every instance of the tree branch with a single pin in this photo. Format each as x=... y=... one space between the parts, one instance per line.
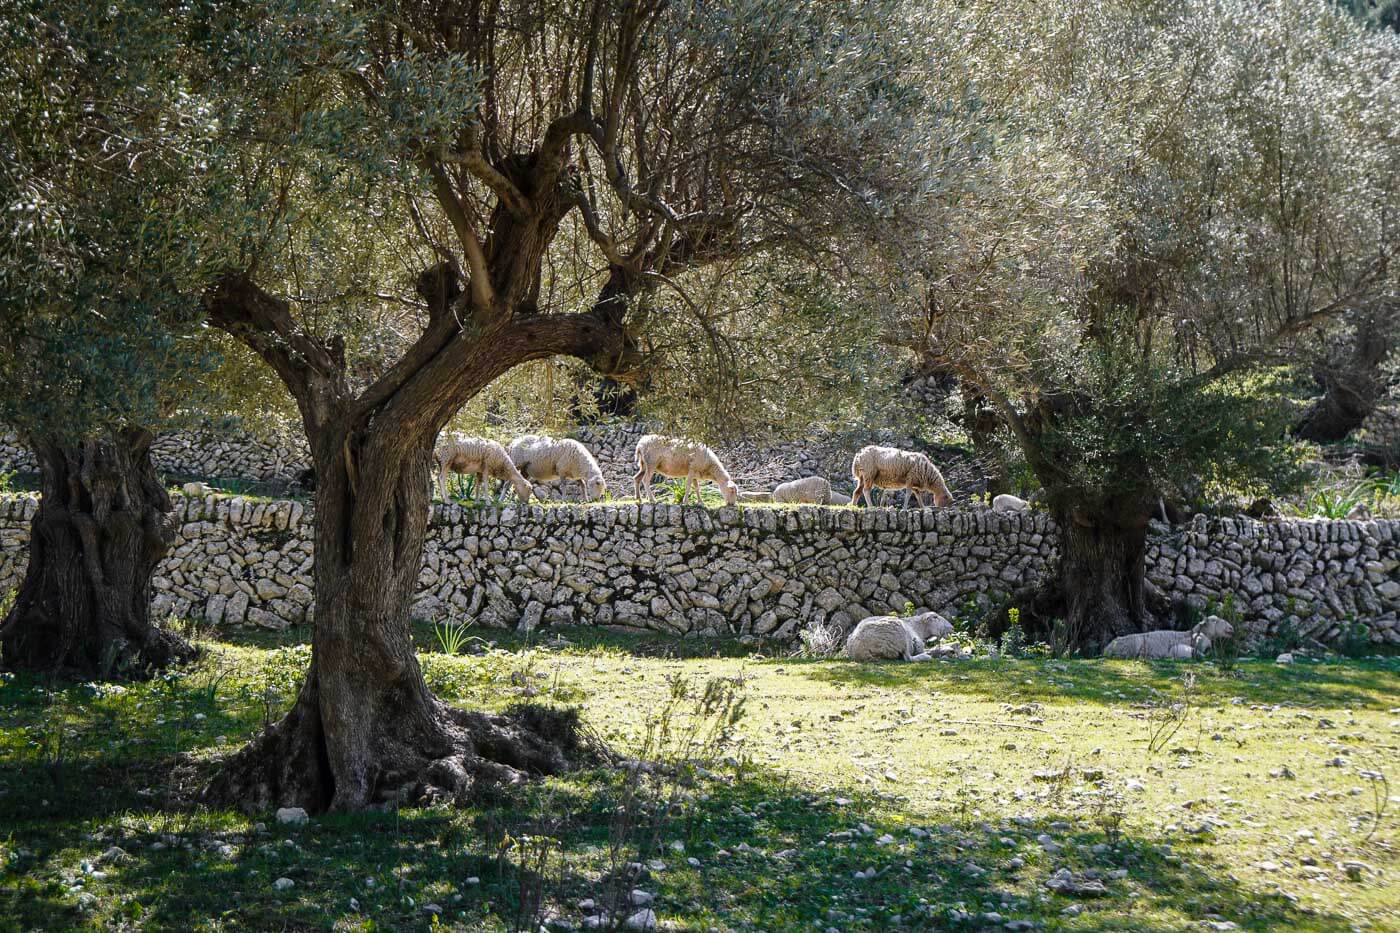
x=471 y=156
x=480 y=279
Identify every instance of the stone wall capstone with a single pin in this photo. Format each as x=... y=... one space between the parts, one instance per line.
x=759 y=572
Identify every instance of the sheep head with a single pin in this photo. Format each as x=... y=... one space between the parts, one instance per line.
x=730 y=489
x=1214 y=628
x=595 y=487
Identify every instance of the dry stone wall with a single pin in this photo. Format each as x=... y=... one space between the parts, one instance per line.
x=205 y=454
x=759 y=572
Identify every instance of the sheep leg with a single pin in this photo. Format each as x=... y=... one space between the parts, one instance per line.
x=637 y=482
x=867 y=496
x=442 y=481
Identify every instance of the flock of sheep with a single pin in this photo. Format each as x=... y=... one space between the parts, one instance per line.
x=537 y=459
x=892 y=638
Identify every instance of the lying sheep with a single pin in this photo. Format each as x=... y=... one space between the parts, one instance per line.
x=812 y=490
x=674 y=456
x=485 y=459
x=1167 y=644
x=890 y=638
x=541 y=459
x=890 y=468
x=1009 y=503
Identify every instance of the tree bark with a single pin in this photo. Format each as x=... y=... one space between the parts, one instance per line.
x=1102 y=576
x=102 y=527
x=1354 y=384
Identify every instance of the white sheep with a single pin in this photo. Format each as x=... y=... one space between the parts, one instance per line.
x=813 y=490
x=1009 y=503
x=1168 y=644
x=674 y=456
x=890 y=638
x=891 y=468
x=486 y=459
x=541 y=459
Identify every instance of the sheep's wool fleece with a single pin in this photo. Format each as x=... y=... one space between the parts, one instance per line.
x=883 y=638
x=1009 y=503
x=1153 y=646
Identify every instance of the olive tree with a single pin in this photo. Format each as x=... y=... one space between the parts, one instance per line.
x=1171 y=195
x=100 y=169
x=527 y=169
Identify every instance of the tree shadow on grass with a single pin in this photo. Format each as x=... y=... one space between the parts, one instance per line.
x=771 y=855
x=1330 y=684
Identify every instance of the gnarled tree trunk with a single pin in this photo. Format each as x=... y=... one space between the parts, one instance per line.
x=102 y=527
x=1352 y=383
x=1102 y=575
x=365 y=728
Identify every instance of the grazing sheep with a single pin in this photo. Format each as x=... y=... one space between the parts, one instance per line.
x=813 y=490
x=1165 y=643
x=890 y=468
x=1009 y=503
x=486 y=459
x=541 y=459
x=890 y=638
x=674 y=456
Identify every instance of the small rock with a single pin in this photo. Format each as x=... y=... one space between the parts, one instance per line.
x=431 y=909
x=1355 y=869
x=1285 y=658
x=1064 y=882
x=639 y=898
x=283 y=884
x=642 y=920
x=587 y=905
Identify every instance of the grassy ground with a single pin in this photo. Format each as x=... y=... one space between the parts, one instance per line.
x=931 y=796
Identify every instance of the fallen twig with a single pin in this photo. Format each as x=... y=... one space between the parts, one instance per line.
x=988 y=722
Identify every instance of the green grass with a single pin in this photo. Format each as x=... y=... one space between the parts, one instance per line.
x=979 y=757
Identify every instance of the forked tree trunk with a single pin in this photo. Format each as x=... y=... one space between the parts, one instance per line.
x=1102 y=577
x=365 y=729
x=102 y=527
x=1354 y=384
